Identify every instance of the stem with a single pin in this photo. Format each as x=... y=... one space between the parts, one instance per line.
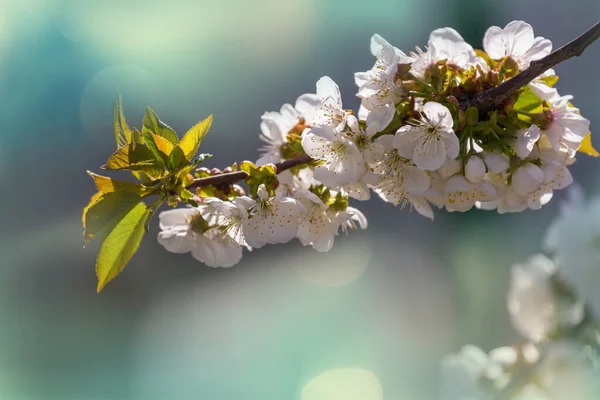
x=233 y=177
x=493 y=98
x=484 y=101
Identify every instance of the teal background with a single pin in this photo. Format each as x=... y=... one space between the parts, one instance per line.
x=391 y=300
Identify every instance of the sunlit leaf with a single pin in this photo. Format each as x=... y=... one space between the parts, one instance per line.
x=135 y=157
x=122 y=132
x=152 y=123
x=192 y=138
x=107 y=185
x=121 y=244
x=529 y=102
x=103 y=208
x=265 y=174
x=176 y=159
x=586 y=146
x=550 y=80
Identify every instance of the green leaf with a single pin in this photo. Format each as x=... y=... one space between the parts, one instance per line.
x=176 y=159
x=121 y=244
x=192 y=138
x=550 y=80
x=529 y=102
x=152 y=123
x=136 y=157
x=264 y=174
x=107 y=185
x=151 y=144
x=103 y=208
x=122 y=132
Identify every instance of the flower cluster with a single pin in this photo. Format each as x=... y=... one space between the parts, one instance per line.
x=412 y=141
x=555 y=307
x=414 y=144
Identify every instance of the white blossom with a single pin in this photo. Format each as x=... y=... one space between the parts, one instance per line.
x=470 y=375
x=270 y=219
x=475 y=169
x=274 y=129
x=325 y=107
x=378 y=88
x=567 y=127
x=461 y=195
x=535 y=309
x=341 y=160
x=316 y=228
x=430 y=141
x=574 y=239
x=516 y=40
x=445 y=44
x=526 y=140
x=181 y=232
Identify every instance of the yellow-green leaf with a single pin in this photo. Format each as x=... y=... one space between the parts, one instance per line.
x=135 y=157
x=192 y=138
x=121 y=244
x=152 y=123
x=122 y=131
x=107 y=185
x=103 y=208
x=529 y=102
x=586 y=146
x=163 y=145
x=550 y=80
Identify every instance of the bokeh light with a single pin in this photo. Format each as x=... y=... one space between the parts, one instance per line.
x=343 y=384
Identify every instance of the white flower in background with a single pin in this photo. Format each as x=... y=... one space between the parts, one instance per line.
x=567 y=127
x=270 y=219
x=535 y=309
x=526 y=140
x=371 y=151
x=325 y=107
x=378 y=88
x=461 y=195
x=516 y=40
x=445 y=44
x=430 y=141
x=341 y=160
x=470 y=375
x=275 y=127
x=183 y=230
x=574 y=239
x=566 y=371
x=316 y=228
x=377 y=119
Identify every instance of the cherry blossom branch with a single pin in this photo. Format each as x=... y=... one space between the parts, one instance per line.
x=493 y=98
x=484 y=101
x=233 y=177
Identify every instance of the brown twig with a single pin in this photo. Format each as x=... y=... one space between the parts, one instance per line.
x=485 y=101
x=493 y=98
x=232 y=177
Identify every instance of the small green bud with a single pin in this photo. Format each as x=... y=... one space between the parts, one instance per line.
x=472 y=116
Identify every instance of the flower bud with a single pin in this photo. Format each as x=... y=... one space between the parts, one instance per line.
x=472 y=116
x=475 y=169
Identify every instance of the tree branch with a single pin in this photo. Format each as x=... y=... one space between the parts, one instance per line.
x=493 y=98
x=233 y=177
x=484 y=101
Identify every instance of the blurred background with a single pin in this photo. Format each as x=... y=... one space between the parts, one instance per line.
x=369 y=320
